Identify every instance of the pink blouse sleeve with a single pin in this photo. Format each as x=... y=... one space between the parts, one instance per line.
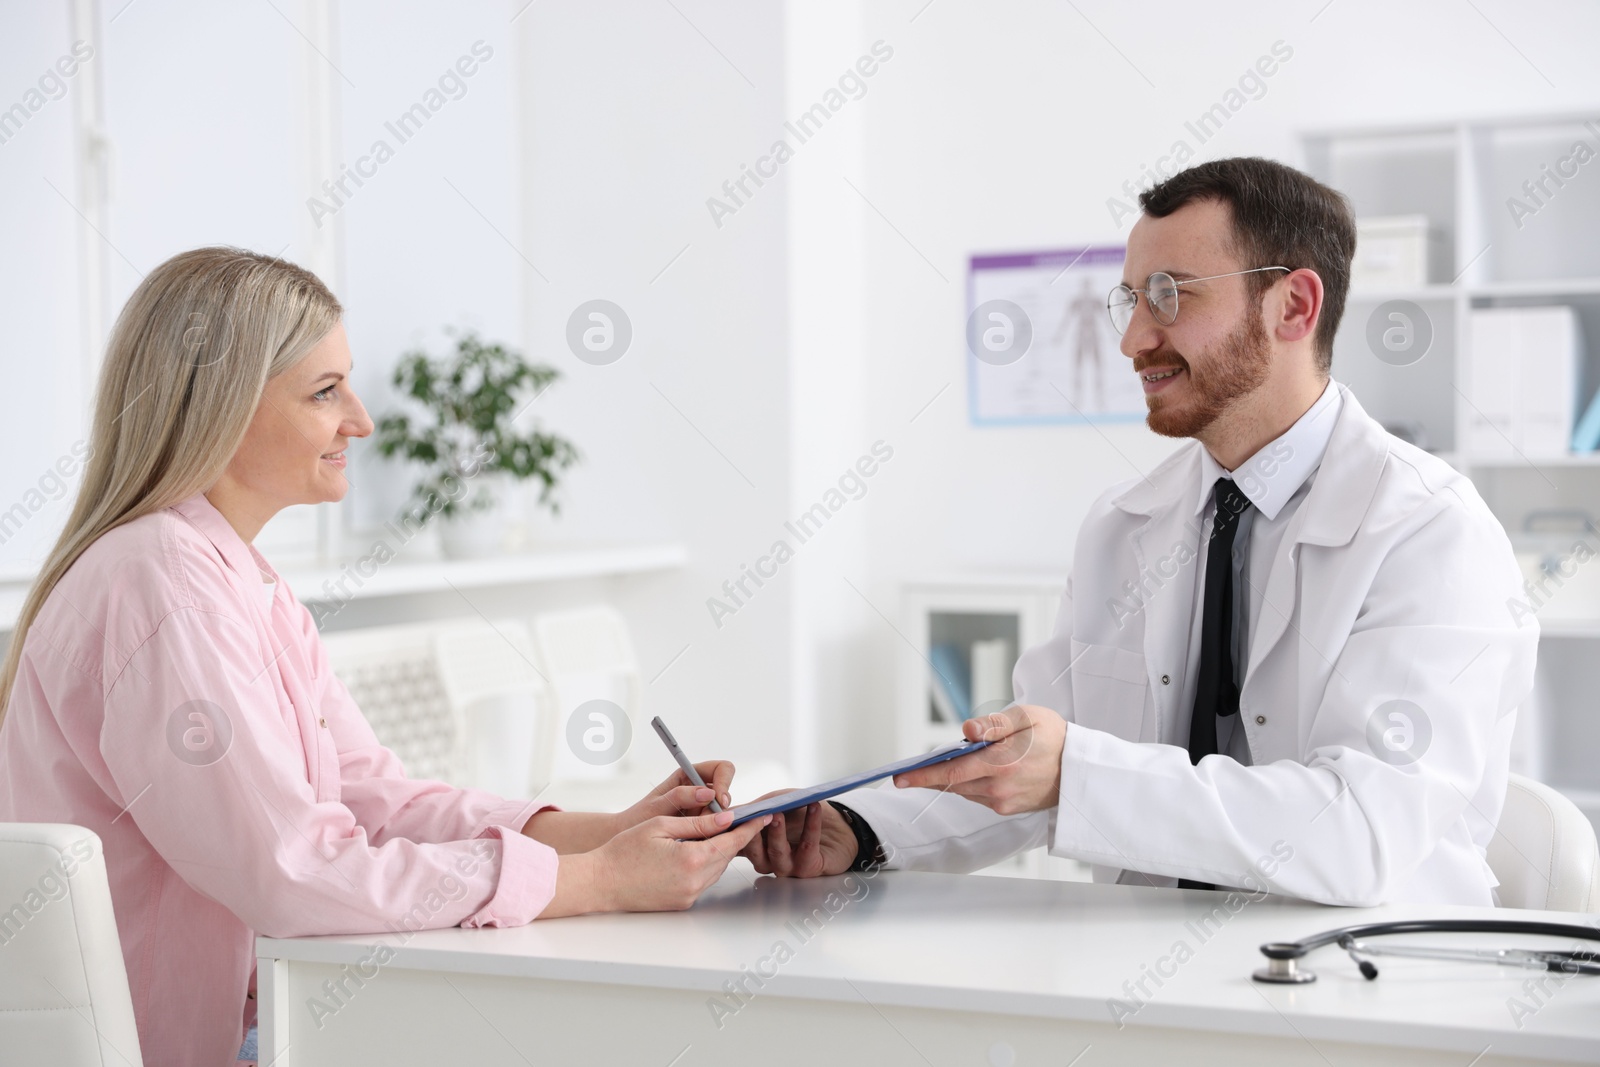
x=205 y=757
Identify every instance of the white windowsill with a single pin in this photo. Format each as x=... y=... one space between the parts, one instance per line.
x=312 y=584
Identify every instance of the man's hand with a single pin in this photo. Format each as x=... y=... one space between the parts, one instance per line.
x=805 y=843
x=1020 y=772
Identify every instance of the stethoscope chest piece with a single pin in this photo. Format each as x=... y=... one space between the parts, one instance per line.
x=1283 y=970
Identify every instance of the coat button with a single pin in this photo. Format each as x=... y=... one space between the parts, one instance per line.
x=324 y=722
x=1260 y=720
x=1166 y=679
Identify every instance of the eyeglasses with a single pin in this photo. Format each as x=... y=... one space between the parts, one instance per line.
x=1162 y=293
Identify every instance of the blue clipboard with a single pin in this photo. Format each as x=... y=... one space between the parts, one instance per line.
x=799 y=798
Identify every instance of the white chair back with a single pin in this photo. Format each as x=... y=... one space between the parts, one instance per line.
x=490 y=674
x=63 y=990
x=393 y=675
x=1544 y=851
x=459 y=700
x=586 y=655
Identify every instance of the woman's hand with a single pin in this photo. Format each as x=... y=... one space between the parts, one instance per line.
x=571 y=832
x=805 y=843
x=663 y=864
x=676 y=795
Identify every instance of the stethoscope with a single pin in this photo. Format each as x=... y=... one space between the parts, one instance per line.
x=1283 y=956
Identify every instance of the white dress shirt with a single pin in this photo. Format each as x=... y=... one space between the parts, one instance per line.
x=1275 y=479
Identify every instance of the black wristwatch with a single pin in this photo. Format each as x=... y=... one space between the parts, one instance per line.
x=869 y=851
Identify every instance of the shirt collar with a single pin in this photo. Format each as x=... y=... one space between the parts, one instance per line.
x=241 y=556
x=1277 y=470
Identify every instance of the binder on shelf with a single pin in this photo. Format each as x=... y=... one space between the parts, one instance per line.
x=952 y=682
x=1522 y=381
x=943 y=708
x=1586 y=437
x=1489 y=426
x=991 y=671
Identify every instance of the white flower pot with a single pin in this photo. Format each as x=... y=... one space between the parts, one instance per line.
x=476 y=533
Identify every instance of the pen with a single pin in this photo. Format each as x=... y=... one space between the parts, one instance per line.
x=677 y=754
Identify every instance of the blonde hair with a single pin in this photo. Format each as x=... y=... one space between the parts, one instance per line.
x=188 y=360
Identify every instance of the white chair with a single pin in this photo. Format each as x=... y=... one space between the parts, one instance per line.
x=503 y=703
x=456 y=700
x=1544 y=851
x=64 y=998
x=587 y=654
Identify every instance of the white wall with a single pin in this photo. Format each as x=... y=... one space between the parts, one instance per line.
x=633 y=114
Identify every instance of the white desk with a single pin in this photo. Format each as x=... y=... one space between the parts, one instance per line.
x=921 y=969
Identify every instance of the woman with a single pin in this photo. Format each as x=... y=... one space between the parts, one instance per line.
x=165 y=689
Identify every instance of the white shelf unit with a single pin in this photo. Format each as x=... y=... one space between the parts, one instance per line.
x=1468 y=178
x=954 y=610
x=401 y=577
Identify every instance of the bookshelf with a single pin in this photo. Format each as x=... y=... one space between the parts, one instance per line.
x=953 y=613
x=1514 y=221
x=973 y=617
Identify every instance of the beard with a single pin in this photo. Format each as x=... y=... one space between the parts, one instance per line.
x=1233 y=369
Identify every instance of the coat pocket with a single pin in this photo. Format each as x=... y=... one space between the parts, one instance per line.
x=1110 y=690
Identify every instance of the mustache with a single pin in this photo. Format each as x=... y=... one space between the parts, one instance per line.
x=1164 y=358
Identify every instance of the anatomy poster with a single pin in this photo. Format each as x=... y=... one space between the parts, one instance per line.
x=1039 y=345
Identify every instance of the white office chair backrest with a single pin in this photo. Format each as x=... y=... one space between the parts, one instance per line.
x=586 y=654
x=1544 y=851
x=393 y=675
x=489 y=672
x=63 y=990
x=458 y=700
x=585 y=640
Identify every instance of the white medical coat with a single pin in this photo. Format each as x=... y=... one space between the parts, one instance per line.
x=1390 y=595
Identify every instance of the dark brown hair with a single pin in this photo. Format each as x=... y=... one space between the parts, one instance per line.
x=1281 y=217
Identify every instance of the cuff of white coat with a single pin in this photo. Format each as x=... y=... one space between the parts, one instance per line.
x=1072 y=831
x=527 y=880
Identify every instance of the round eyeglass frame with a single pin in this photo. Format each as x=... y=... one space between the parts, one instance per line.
x=1122 y=301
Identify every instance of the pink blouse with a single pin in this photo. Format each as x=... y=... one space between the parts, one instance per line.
x=163 y=703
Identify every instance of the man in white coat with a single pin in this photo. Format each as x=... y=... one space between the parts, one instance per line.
x=1285 y=659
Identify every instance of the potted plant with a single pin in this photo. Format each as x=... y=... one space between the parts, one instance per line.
x=471 y=454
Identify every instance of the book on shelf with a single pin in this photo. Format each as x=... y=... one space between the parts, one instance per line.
x=991 y=672
x=1586 y=435
x=943 y=708
x=951 y=683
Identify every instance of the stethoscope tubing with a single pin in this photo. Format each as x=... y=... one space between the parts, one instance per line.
x=1285 y=954
x=1292 y=950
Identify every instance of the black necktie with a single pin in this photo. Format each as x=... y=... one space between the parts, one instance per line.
x=1216 y=692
